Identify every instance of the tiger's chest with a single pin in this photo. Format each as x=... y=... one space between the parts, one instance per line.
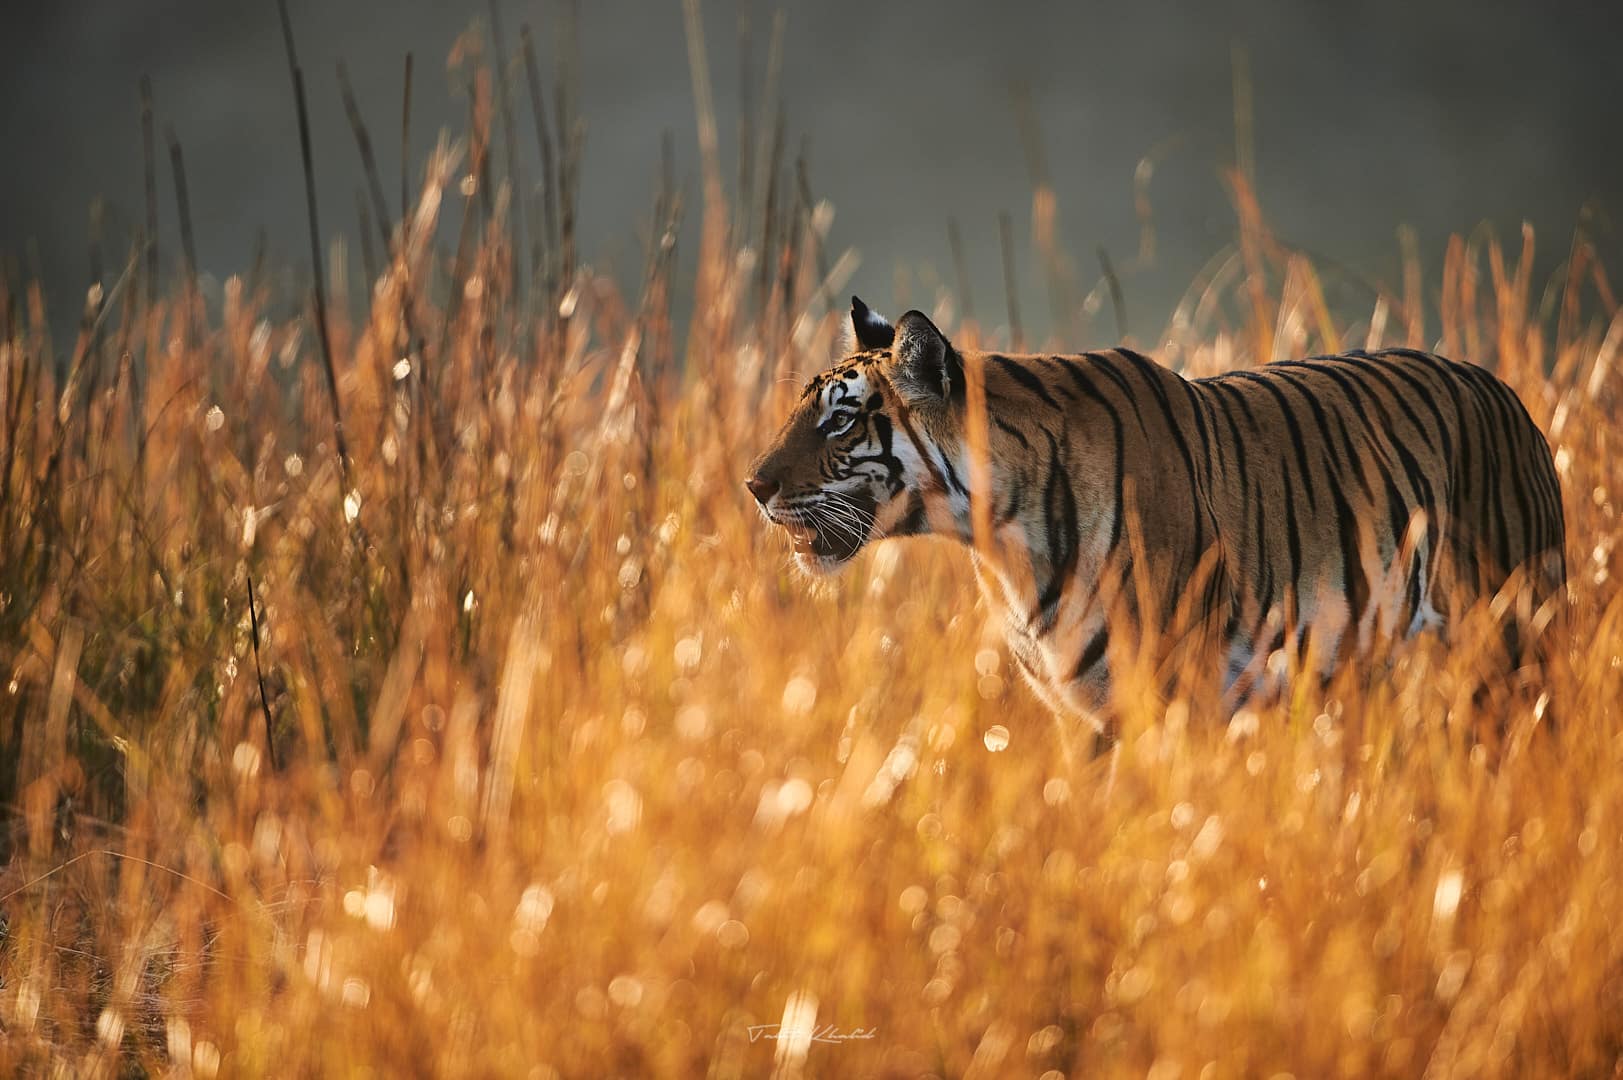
x=1047 y=647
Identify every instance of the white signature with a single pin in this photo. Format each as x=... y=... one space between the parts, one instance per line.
x=828 y=1033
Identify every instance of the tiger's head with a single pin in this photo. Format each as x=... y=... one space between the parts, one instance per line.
x=868 y=451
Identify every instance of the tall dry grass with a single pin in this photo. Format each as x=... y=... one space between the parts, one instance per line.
x=573 y=777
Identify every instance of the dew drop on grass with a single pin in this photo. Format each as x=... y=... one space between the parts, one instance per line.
x=178 y=1038
x=110 y=1027
x=794 y=797
x=1208 y=839
x=357 y=994
x=996 y=738
x=205 y=1060
x=215 y=419
x=402 y=369
x=710 y=916
x=623 y=806
x=534 y=909
x=378 y=907
x=625 y=991
x=799 y=695
x=692 y=722
x=1447 y=898
x=245 y=760
x=1242 y=725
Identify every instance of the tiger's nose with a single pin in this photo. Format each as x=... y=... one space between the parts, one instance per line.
x=762 y=488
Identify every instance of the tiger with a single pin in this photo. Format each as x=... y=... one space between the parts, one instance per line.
x=1343 y=500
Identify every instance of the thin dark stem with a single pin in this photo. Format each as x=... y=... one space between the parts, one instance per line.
x=769 y=217
x=1117 y=300
x=819 y=256
x=515 y=173
x=368 y=256
x=956 y=242
x=264 y=698
x=98 y=215
x=746 y=121
x=369 y=163
x=1006 y=233
x=188 y=246
x=150 y=158
x=183 y=205
x=549 y=176
x=405 y=145
x=315 y=250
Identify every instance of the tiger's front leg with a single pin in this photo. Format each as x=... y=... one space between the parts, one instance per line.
x=1081 y=721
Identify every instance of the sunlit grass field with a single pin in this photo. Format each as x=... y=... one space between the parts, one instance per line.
x=547 y=764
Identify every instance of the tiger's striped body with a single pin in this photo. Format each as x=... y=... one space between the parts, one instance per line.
x=1337 y=500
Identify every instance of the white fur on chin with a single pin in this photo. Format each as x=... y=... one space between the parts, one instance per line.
x=820 y=566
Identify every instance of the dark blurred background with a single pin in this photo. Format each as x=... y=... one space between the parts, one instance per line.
x=1442 y=114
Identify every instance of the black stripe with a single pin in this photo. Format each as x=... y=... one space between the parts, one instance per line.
x=952 y=473
x=1060 y=519
x=1366 y=363
x=1092 y=653
x=1397 y=508
x=1293 y=428
x=1026 y=379
x=1102 y=363
x=1489 y=511
x=1293 y=539
x=1200 y=429
x=914 y=523
x=1234 y=394
x=1151 y=375
x=1331 y=466
x=1430 y=500
x=1221 y=404
x=1354 y=581
x=1548 y=487
x=1513 y=438
x=1265 y=558
x=1083 y=383
x=1012 y=432
x=1015 y=490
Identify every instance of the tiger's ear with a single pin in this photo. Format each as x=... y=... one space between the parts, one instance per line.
x=872 y=331
x=927 y=370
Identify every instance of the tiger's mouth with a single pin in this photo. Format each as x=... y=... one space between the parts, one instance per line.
x=832 y=544
x=826 y=535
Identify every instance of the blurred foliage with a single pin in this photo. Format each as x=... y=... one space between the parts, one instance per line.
x=573 y=776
